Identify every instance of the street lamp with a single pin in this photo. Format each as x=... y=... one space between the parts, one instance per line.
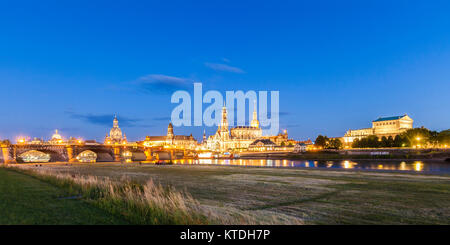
x=418 y=141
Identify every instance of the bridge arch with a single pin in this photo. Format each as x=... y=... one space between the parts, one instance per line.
x=33 y=156
x=87 y=156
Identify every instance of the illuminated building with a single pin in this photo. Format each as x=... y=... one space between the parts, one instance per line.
x=383 y=126
x=56 y=138
x=171 y=140
x=115 y=134
x=281 y=139
x=241 y=137
x=300 y=147
x=262 y=145
x=36 y=141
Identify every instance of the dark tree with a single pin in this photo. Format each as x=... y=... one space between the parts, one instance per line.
x=398 y=141
x=364 y=142
x=372 y=141
x=384 y=142
x=444 y=137
x=390 y=141
x=416 y=136
x=321 y=141
x=335 y=144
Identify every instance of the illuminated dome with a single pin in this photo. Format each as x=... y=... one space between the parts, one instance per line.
x=115 y=134
x=56 y=136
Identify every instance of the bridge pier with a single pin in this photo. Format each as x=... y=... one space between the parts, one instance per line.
x=5 y=149
x=172 y=155
x=117 y=155
x=148 y=154
x=70 y=155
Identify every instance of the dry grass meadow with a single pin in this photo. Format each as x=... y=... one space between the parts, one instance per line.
x=186 y=194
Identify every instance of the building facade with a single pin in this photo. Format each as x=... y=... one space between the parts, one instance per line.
x=383 y=126
x=240 y=138
x=171 y=140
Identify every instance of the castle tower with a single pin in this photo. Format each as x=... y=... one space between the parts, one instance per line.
x=255 y=123
x=170 y=131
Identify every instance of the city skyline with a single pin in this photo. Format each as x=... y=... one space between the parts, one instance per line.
x=335 y=68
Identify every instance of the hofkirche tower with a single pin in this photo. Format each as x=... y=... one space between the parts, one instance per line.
x=239 y=137
x=255 y=122
x=223 y=127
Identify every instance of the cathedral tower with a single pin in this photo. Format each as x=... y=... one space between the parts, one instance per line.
x=223 y=127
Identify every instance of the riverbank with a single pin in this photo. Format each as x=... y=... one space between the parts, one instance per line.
x=286 y=196
x=26 y=200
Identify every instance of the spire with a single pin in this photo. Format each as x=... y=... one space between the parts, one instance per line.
x=115 y=122
x=255 y=122
x=204 y=136
x=224 y=122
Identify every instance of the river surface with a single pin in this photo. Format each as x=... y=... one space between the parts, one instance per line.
x=416 y=166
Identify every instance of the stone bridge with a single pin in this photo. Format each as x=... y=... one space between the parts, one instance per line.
x=105 y=153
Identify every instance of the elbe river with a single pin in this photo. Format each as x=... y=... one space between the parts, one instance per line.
x=415 y=166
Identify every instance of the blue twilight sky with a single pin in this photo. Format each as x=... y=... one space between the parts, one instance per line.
x=71 y=65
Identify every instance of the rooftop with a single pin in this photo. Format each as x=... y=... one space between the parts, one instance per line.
x=380 y=119
x=264 y=141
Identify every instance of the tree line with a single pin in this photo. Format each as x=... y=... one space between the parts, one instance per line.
x=421 y=137
x=413 y=137
x=326 y=143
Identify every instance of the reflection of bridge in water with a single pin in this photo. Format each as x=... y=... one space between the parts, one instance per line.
x=18 y=153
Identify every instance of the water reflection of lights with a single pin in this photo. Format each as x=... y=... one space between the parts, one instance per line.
x=418 y=166
x=403 y=166
x=329 y=164
x=345 y=164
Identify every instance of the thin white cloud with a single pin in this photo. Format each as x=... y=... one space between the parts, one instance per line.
x=162 y=78
x=224 y=67
x=162 y=83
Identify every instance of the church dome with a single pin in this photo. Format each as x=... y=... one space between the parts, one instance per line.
x=56 y=136
x=115 y=133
